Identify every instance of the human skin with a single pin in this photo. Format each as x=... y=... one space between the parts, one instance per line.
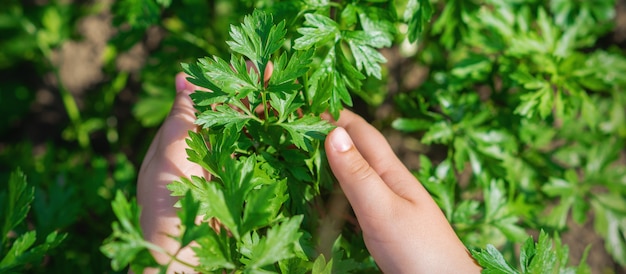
x=403 y=228
x=165 y=162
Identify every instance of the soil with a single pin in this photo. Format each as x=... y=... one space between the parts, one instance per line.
x=80 y=64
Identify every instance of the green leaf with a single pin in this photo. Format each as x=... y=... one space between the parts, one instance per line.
x=417 y=14
x=498 y=211
x=223 y=116
x=23 y=252
x=287 y=72
x=231 y=78
x=321 y=267
x=16 y=207
x=305 y=129
x=440 y=132
x=199 y=78
x=278 y=244
x=319 y=30
x=285 y=105
x=138 y=14
x=187 y=214
x=264 y=204
x=214 y=251
x=363 y=47
x=127 y=245
x=492 y=261
x=410 y=124
x=610 y=223
x=329 y=83
x=545 y=256
x=222 y=145
x=257 y=38
x=19 y=247
x=378 y=23
x=475 y=67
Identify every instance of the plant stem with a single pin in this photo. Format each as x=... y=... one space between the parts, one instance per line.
x=72 y=112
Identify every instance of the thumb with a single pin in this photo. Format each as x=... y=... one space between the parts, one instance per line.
x=182 y=115
x=362 y=185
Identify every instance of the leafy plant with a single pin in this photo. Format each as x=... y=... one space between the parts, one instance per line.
x=260 y=140
x=263 y=196
x=516 y=109
x=19 y=247
x=526 y=113
x=544 y=256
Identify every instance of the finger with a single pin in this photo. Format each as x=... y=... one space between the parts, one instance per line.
x=180 y=120
x=268 y=71
x=182 y=115
x=164 y=163
x=376 y=151
x=357 y=178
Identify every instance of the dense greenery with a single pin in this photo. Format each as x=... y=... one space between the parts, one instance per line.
x=519 y=115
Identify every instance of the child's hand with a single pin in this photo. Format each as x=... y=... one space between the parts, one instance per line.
x=403 y=228
x=165 y=162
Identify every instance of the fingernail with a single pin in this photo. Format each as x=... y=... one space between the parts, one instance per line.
x=341 y=141
x=181 y=82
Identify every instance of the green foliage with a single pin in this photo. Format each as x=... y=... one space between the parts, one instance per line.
x=544 y=256
x=526 y=113
x=126 y=244
x=18 y=249
x=520 y=107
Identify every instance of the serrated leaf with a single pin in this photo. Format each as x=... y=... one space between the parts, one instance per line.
x=214 y=251
x=527 y=253
x=127 y=245
x=263 y=204
x=288 y=71
x=319 y=29
x=321 y=267
x=231 y=78
x=278 y=244
x=610 y=223
x=378 y=23
x=19 y=247
x=257 y=38
x=418 y=14
x=23 y=252
x=187 y=214
x=223 y=116
x=544 y=259
x=199 y=78
x=362 y=45
x=285 y=106
x=492 y=261
x=440 y=132
x=16 y=207
x=305 y=129
x=328 y=84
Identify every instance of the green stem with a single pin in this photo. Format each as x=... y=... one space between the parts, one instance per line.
x=68 y=100
x=265 y=108
x=72 y=111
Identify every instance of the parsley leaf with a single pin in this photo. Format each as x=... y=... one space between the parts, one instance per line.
x=318 y=29
x=305 y=129
x=418 y=14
